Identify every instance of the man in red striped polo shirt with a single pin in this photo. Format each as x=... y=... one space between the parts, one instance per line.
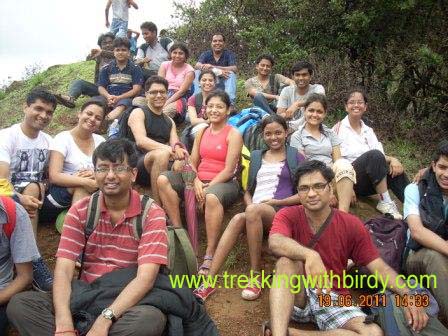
x=111 y=246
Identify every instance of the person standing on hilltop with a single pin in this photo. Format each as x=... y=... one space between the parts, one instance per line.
x=120 y=18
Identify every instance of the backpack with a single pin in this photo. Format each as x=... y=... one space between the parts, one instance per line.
x=10 y=209
x=164 y=42
x=182 y=259
x=253 y=138
x=246 y=118
x=389 y=236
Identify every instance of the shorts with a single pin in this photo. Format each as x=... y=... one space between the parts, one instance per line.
x=57 y=197
x=326 y=318
x=343 y=168
x=227 y=192
x=143 y=177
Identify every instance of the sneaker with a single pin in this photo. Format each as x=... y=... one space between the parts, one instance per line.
x=389 y=208
x=42 y=278
x=203 y=292
x=251 y=292
x=67 y=101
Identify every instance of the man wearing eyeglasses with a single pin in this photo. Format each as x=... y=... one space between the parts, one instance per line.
x=294 y=238
x=155 y=135
x=109 y=247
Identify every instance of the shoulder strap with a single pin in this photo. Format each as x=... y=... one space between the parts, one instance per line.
x=198 y=102
x=316 y=237
x=93 y=215
x=10 y=209
x=272 y=84
x=190 y=257
x=291 y=160
x=144 y=47
x=254 y=167
x=137 y=221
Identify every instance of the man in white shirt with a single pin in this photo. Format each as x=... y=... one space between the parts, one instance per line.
x=24 y=152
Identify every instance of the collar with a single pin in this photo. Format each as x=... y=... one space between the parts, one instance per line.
x=114 y=64
x=134 y=207
x=346 y=123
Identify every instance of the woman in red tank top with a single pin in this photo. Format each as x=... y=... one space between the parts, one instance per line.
x=215 y=155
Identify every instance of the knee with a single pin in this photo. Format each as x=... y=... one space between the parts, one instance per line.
x=163 y=182
x=371 y=330
x=32 y=189
x=143 y=314
x=435 y=259
x=212 y=202
x=376 y=156
x=342 y=168
x=252 y=211
x=14 y=310
x=285 y=265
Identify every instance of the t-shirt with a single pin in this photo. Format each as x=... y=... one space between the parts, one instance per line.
x=226 y=59
x=27 y=158
x=192 y=102
x=175 y=76
x=21 y=248
x=344 y=238
x=316 y=149
x=118 y=81
x=157 y=55
x=75 y=160
x=355 y=144
x=112 y=247
x=255 y=83
x=120 y=9
x=412 y=202
x=289 y=95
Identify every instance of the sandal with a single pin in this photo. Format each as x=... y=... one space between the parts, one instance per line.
x=205 y=267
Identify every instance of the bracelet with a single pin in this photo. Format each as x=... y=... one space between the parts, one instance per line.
x=67 y=331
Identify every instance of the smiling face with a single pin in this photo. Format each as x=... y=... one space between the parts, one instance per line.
x=149 y=36
x=319 y=191
x=207 y=82
x=114 y=183
x=217 y=111
x=264 y=68
x=91 y=118
x=302 y=78
x=38 y=114
x=121 y=54
x=315 y=113
x=356 y=105
x=218 y=43
x=440 y=168
x=178 y=56
x=156 y=96
x=274 y=135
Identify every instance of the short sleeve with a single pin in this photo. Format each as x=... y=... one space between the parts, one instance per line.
x=60 y=143
x=280 y=79
x=203 y=58
x=319 y=89
x=283 y=101
x=296 y=140
x=192 y=101
x=140 y=54
x=249 y=84
x=23 y=245
x=5 y=146
x=334 y=139
x=189 y=69
x=411 y=201
x=231 y=58
x=281 y=223
x=137 y=75
x=363 y=250
x=103 y=78
x=72 y=239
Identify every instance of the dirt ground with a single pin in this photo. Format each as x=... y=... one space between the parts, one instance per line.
x=233 y=315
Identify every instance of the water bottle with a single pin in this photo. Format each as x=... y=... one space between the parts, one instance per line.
x=114 y=129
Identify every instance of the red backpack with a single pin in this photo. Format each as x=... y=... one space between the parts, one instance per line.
x=10 y=208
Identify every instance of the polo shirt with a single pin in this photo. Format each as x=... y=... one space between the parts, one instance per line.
x=355 y=144
x=316 y=149
x=227 y=58
x=117 y=81
x=113 y=247
x=289 y=95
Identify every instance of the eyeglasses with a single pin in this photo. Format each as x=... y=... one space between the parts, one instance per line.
x=317 y=187
x=157 y=92
x=356 y=102
x=115 y=169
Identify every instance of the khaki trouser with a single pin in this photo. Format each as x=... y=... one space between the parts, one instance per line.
x=32 y=314
x=426 y=261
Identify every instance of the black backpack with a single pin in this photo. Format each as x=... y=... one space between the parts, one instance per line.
x=253 y=138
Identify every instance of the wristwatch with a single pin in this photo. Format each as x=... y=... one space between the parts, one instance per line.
x=109 y=314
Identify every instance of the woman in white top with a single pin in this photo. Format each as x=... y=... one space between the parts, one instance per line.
x=318 y=142
x=71 y=168
x=375 y=171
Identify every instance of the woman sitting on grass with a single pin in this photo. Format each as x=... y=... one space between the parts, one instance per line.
x=318 y=142
x=215 y=155
x=70 y=166
x=270 y=187
x=180 y=76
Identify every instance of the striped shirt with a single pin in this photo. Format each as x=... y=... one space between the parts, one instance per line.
x=113 y=247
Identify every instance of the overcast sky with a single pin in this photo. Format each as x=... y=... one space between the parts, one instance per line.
x=52 y=32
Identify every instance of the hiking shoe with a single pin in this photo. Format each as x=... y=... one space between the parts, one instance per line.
x=251 y=292
x=203 y=292
x=389 y=208
x=67 y=101
x=42 y=278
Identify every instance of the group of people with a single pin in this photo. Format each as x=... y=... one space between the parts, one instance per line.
x=300 y=189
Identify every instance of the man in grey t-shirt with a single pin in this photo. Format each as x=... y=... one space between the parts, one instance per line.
x=16 y=252
x=292 y=98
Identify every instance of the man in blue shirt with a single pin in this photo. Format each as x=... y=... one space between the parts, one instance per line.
x=426 y=212
x=120 y=80
x=222 y=62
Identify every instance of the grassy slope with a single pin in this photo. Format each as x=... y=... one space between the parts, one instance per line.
x=57 y=79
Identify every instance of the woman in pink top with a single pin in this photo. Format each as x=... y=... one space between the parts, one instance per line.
x=179 y=75
x=215 y=157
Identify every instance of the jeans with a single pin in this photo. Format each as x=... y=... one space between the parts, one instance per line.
x=119 y=27
x=81 y=87
x=371 y=167
x=226 y=84
x=261 y=102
